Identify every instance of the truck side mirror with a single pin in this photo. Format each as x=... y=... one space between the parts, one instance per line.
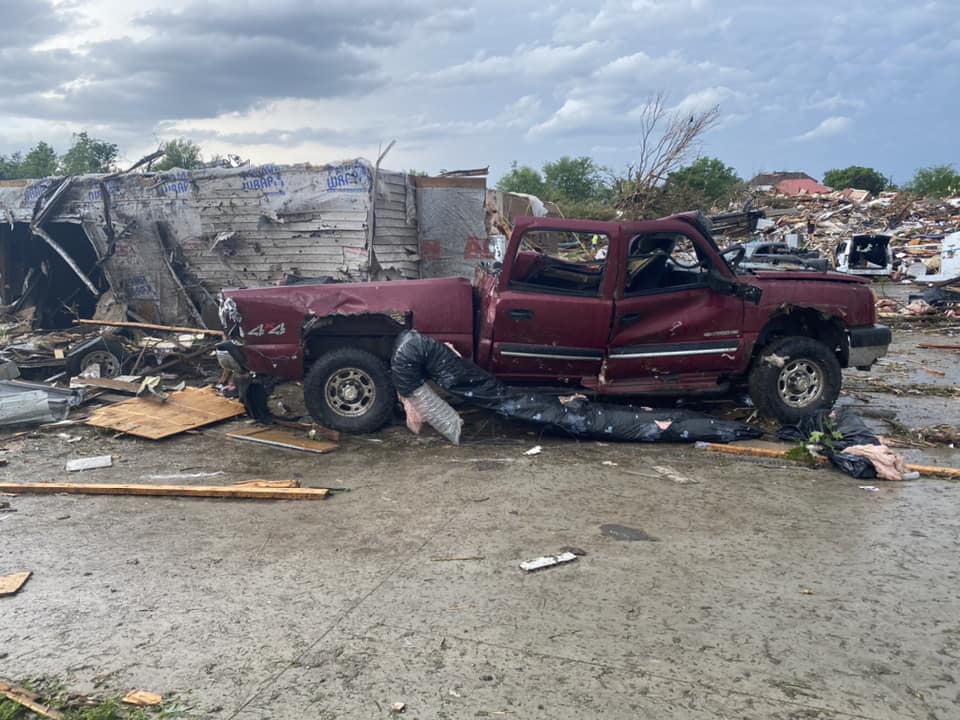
x=723 y=286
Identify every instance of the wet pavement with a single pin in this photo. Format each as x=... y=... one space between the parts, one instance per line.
x=765 y=590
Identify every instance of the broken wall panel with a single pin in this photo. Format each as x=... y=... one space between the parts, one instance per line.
x=396 y=240
x=175 y=239
x=453 y=234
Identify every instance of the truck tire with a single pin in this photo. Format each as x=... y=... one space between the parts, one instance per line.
x=793 y=377
x=350 y=390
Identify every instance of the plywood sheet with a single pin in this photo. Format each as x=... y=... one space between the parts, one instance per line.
x=282 y=438
x=148 y=418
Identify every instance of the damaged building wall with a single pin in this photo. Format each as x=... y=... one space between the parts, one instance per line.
x=166 y=243
x=452 y=221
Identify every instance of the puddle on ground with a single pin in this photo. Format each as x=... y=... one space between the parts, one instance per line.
x=622 y=532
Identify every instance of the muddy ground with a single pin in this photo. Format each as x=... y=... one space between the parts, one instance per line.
x=763 y=590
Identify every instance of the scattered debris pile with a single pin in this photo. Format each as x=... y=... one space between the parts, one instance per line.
x=850 y=226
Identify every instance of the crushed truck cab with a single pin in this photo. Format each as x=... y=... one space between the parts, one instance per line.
x=648 y=308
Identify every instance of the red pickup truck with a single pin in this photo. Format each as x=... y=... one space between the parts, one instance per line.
x=649 y=308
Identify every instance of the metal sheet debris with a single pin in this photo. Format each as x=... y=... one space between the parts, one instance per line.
x=547 y=561
x=89 y=463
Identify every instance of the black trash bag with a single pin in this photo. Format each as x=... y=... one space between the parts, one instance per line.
x=418 y=358
x=851 y=428
x=854 y=465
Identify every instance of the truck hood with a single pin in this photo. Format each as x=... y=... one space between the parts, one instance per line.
x=804 y=275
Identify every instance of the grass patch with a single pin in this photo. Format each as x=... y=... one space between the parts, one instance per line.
x=73 y=706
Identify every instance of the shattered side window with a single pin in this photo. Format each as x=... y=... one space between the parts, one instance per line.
x=661 y=261
x=560 y=261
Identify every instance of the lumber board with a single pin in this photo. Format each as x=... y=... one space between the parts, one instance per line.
x=282 y=438
x=149 y=418
x=151 y=326
x=194 y=491
x=938 y=346
x=783 y=455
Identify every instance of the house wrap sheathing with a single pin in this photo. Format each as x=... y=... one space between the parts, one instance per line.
x=165 y=243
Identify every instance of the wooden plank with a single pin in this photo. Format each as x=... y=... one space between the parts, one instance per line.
x=268 y=483
x=938 y=346
x=185 y=410
x=11 y=584
x=282 y=438
x=29 y=700
x=151 y=326
x=194 y=491
x=784 y=455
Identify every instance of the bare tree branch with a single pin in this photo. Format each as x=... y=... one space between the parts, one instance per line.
x=666 y=143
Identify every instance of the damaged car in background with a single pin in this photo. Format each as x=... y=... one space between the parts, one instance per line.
x=641 y=309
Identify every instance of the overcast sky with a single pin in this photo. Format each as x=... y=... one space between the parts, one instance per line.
x=800 y=86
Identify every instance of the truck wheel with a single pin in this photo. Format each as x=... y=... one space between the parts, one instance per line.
x=350 y=390
x=794 y=377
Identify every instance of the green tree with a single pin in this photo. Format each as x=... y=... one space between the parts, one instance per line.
x=10 y=166
x=855 y=176
x=179 y=153
x=935 y=182
x=522 y=179
x=40 y=162
x=708 y=178
x=577 y=179
x=88 y=155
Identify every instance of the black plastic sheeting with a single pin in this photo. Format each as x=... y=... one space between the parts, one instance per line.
x=418 y=358
x=851 y=430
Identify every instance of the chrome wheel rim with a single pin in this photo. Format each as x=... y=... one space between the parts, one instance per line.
x=800 y=383
x=108 y=362
x=350 y=392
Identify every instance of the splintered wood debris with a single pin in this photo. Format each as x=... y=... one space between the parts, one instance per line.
x=142 y=698
x=11 y=584
x=148 y=418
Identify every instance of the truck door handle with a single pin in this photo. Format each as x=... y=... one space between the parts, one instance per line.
x=630 y=318
x=521 y=314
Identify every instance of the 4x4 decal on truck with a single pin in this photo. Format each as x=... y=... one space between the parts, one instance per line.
x=268 y=329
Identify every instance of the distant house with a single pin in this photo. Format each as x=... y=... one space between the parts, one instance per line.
x=802 y=187
x=765 y=182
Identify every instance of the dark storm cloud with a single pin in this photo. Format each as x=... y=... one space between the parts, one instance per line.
x=209 y=59
x=26 y=22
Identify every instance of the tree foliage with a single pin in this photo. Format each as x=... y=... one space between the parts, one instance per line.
x=88 y=155
x=577 y=179
x=707 y=177
x=179 y=153
x=858 y=177
x=938 y=181
x=522 y=179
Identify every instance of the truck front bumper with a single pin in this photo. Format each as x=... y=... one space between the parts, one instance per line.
x=867 y=344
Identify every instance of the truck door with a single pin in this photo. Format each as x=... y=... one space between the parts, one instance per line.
x=553 y=311
x=667 y=322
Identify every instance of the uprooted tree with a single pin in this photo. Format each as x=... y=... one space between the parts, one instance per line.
x=667 y=141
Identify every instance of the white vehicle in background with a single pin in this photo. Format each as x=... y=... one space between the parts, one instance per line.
x=868 y=255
